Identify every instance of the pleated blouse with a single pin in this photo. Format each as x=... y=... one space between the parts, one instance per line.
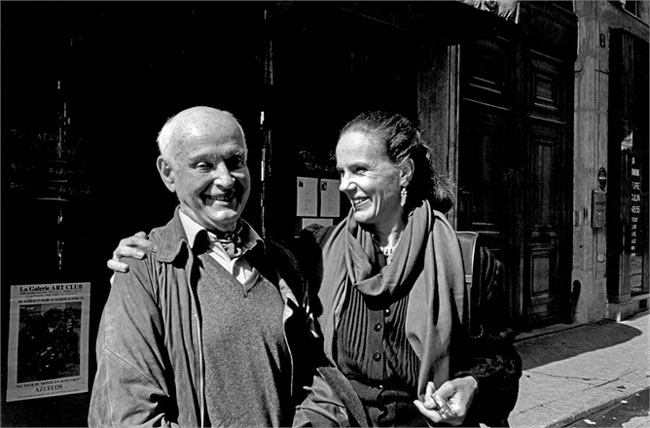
x=371 y=343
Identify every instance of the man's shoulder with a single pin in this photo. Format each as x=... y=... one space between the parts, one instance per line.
x=173 y=228
x=168 y=240
x=157 y=235
x=166 y=246
x=144 y=274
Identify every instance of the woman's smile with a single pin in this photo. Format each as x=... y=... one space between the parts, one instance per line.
x=358 y=203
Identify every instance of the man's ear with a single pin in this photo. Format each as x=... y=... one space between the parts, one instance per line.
x=407 y=169
x=166 y=173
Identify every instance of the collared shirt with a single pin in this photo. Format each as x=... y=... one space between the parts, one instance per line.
x=239 y=267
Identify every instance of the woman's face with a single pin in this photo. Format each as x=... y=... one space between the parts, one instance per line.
x=369 y=179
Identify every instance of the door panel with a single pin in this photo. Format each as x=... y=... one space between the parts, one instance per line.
x=548 y=100
x=485 y=136
x=515 y=163
x=486 y=70
x=480 y=192
x=487 y=151
x=546 y=294
x=545 y=291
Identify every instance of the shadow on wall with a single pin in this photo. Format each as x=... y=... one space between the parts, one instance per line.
x=542 y=350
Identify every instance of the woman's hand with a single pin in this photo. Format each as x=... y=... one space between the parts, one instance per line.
x=132 y=247
x=450 y=403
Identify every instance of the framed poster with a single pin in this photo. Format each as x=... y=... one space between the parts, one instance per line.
x=48 y=340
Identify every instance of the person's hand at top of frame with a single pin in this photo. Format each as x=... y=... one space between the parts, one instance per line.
x=450 y=403
x=132 y=247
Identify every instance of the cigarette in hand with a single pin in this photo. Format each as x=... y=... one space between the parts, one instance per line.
x=443 y=406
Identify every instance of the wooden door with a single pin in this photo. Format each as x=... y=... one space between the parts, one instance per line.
x=515 y=161
x=489 y=166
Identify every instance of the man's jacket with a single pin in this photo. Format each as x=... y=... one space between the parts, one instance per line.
x=149 y=354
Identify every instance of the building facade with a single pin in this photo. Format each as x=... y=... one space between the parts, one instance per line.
x=536 y=110
x=610 y=190
x=494 y=100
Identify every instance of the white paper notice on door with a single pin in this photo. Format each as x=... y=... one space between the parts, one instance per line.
x=330 y=200
x=307 y=196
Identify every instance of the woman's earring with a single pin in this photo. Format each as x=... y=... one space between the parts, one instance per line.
x=403 y=193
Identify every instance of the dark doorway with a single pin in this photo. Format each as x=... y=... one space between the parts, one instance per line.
x=627 y=191
x=107 y=75
x=326 y=65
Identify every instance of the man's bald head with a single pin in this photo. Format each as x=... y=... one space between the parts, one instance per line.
x=195 y=121
x=203 y=161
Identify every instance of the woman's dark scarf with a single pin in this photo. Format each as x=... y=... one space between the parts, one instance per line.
x=426 y=263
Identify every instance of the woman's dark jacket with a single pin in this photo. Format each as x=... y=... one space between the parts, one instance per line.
x=487 y=350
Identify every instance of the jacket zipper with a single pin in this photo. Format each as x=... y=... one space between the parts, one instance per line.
x=195 y=315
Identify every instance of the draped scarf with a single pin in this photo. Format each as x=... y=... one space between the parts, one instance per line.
x=427 y=264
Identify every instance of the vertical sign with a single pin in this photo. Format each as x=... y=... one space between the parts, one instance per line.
x=635 y=207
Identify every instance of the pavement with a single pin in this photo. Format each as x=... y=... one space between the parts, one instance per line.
x=573 y=371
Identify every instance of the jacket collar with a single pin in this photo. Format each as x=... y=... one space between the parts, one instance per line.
x=171 y=239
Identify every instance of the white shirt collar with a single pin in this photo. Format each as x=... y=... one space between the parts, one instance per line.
x=192 y=228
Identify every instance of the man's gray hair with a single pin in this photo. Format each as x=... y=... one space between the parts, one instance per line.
x=166 y=137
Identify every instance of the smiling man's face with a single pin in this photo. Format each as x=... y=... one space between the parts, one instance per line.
x=209 y=172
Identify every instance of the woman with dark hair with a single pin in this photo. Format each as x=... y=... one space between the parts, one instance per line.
x=391 y=289
x=393 y=293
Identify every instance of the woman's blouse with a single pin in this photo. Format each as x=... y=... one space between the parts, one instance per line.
x=371 y=343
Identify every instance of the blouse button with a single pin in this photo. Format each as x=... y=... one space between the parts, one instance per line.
x=387 y=311
x=377 y=356
x=378 y=326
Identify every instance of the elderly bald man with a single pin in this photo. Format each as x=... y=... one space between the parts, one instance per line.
x=212 y=326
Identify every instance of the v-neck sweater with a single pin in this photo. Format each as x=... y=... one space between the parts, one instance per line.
x=245 y=353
